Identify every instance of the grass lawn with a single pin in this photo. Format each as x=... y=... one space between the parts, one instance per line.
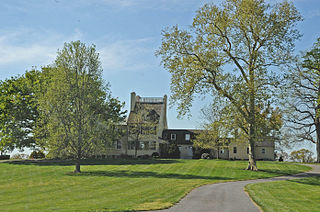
x=118 y=185
x=292 y=195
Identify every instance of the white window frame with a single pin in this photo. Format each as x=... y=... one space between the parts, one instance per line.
x=173 y=137
x=118 y=145
x=153 y=145
x=187 y=137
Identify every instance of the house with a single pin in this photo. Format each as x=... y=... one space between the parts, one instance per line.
x=143 y=128
x=146 y=129
x=183 y=139
x=264 y=148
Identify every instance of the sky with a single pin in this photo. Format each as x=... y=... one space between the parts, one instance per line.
x=126 y=34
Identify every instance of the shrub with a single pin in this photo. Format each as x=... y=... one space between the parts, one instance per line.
x=144 y=156
x=205 y=156
x=169 y=151
x=37 y=155
x=19 y=156
x=125 y=156
x=4 y=157
x=155 y=155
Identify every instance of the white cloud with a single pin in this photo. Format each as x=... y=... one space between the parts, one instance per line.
x=313 y=13
x=21 y=49
x=126 y=55
x=26 y=46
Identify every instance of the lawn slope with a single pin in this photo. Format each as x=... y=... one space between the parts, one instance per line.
x=292 y=195
x=118 y=185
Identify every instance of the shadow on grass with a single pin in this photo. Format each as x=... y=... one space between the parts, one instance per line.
x=280 y=172
x=139 y=174
x=92 y=162
x=314 y=180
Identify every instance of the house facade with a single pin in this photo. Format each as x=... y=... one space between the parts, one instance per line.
x=183 y=139
x=146 y=128
x=264 y=148
x=143 y=128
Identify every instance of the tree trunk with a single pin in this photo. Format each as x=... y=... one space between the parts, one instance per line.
x=78 y=160
x=318 y=140
x=136 y=149
x=252 y=162
x=317 y=123
x=318 y=150
x=77 y=170
x=218 y=153
x=252 y=124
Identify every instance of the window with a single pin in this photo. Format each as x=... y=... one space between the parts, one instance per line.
x=248 y=150
x=235 y=150
x=173 y=137
x=152 y=145
x=141 y=145
x=146 y=145
x=263 y=150
x=131 y=145
x=221 y=151
x=118 y=145
x=187 y=137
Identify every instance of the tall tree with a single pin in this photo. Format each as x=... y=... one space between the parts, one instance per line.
x=304 y=107
x=229 y=51
x=76 y=104
x=18 y=111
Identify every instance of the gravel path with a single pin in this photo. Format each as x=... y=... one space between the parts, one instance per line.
x=227 y=197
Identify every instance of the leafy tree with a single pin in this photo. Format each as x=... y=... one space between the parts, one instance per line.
x=229 y=51
x=19 y=111
x=302 y=155
x=79 y=114
x=304 y=106
x=217 y=128
x=169 y=151
x=211 y=137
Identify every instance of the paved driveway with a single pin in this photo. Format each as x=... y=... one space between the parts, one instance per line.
x=227 y=197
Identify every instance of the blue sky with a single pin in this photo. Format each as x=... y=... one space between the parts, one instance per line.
x=125 y=32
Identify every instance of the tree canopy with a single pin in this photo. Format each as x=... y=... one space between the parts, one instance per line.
x=18 y=111
x=304 y=104
x=302 y=155
x=80 y=114
x=65 y=108
x=229 y=51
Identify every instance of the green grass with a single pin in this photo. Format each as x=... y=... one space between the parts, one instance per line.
x=117 y=185
x=292 y=195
